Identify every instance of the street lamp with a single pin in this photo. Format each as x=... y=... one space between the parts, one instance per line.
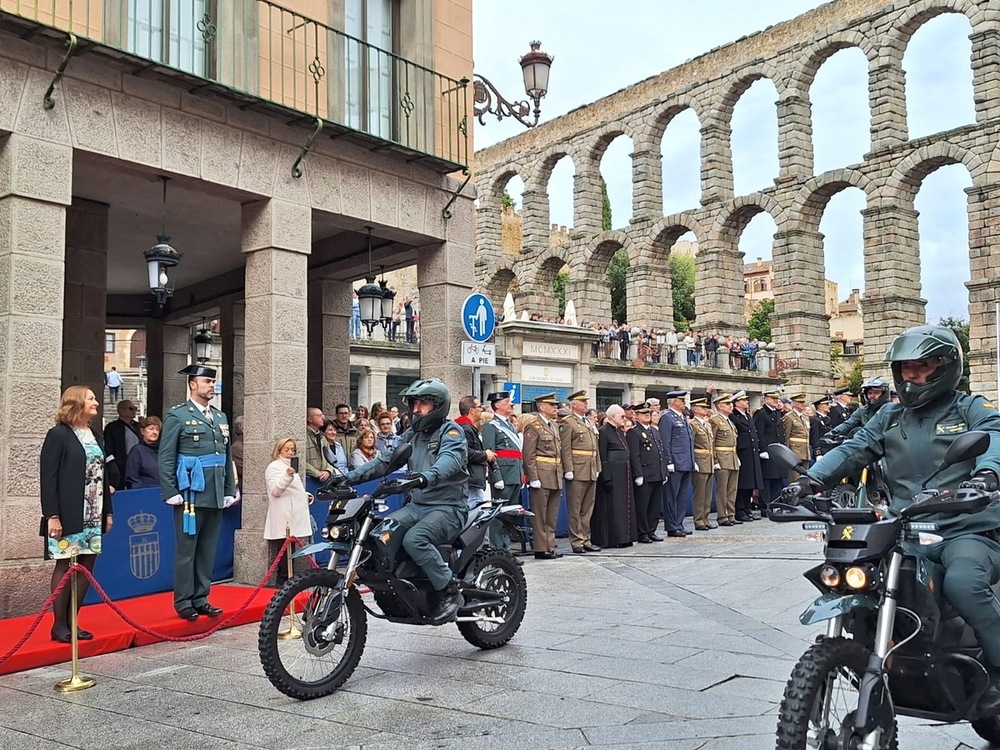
x=161 y=257
x=370 y=295
x=535 y=68
x=202 y=345
x=388 y=298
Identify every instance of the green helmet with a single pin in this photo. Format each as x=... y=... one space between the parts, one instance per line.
x=874 y=384
x=922 y=342
x=428 y=389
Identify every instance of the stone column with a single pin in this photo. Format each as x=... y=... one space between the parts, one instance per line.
x=588 y=206
x=364 y=389
x=716 y=164
x=892 y=300
x=986 y=74
x=36 y=179
x=377 y=385
x=329 y=381
x=650 y=296
x=647 y=185
x=718 y=285
x=591 y=297
x=86 y=290
x=173 y=354
x=276 y=240
x=444 y=278
x=984 y=289
x=887 y=97
x=535 y=214
x=233 y=357
x=795 y=148
x=800 y=325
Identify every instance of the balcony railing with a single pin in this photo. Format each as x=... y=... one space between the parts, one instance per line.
x=263 y=54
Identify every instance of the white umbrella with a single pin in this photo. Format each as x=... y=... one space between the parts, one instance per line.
x=569 y=316
x=509 y=313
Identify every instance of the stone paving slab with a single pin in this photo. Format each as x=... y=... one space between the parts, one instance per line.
x=683 y=645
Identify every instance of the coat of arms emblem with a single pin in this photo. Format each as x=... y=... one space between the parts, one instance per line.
x=143 y=546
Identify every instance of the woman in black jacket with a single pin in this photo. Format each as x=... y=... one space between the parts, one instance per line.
x=141 y=468
x=76 y=499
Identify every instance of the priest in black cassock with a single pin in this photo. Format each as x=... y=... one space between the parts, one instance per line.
x=614 y=521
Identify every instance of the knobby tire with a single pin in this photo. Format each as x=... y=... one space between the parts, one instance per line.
x=502 y=573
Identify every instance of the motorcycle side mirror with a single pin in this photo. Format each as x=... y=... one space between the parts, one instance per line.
x=965 y=447
x=785 y=458
x=399 y=457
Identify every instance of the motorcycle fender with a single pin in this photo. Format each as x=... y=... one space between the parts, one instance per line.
x=833 y=605
x=312 y=549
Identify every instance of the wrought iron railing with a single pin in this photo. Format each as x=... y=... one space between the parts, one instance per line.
x=263 y=50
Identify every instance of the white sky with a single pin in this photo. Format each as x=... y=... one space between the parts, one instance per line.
x=598 y=52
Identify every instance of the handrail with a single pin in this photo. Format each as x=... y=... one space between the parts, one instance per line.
x=265 y=51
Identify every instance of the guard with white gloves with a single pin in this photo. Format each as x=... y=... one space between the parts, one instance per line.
x=506 y=472
x=581 y=466
x=646 y=449
x=770 y=425
x=544 y=471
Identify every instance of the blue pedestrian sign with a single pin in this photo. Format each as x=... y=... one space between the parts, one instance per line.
x=514 y=389
x=478 y=318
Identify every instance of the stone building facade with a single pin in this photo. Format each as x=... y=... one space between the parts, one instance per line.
x=790 y=55
x=269 y=210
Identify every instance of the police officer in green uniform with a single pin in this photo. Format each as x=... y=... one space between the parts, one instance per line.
x=913 y=437
x=874 y=395
x=196 y=476
x=437 y=510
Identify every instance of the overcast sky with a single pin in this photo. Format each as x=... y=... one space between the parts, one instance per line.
x=598 y=52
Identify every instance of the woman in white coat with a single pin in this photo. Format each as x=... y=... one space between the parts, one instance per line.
x=287 y=504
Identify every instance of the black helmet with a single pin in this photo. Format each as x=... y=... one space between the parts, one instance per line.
x=922 y=342
x=428 y=389
x=875 y=384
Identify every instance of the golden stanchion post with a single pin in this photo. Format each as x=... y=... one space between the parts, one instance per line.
x=293 y=631
x=75 y=681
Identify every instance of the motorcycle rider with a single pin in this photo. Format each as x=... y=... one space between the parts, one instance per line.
x=437 y=508
x=874 y=395
x=913 y=437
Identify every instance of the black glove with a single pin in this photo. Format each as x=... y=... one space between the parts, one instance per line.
x=799 y=488
x=984 y=480
x=829 y=442
x=419 y=479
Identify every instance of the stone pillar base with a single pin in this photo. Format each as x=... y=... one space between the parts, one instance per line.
x=24 y=586
x=251 y=560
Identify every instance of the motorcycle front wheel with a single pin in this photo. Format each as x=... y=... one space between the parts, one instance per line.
x=497 y=571
x=327 y=651
x=821 y=698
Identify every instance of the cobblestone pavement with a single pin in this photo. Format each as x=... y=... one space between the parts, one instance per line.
x=682 y=645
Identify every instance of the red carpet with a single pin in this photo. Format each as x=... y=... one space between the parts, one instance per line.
x=155 y=612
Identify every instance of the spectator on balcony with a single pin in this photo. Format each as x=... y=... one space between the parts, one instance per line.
x=397 y=317
x=699 y=348
x=410 y=315
x=355 y=331
x=670 y=342
x=141 y=467
x=685 y=347
x=712 y=350
x=624 y=339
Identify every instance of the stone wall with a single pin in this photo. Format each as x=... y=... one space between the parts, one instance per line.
x=788 y=54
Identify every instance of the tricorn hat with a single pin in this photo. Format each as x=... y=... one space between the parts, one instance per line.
x=197 y=371
x=498 y=396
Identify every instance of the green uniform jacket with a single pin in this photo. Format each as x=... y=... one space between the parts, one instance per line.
x=858 y=418
x=186 y=432
x=440 y=456
x=501 y=435
x=913 y=442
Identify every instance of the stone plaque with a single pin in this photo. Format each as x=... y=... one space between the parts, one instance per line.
x=551 y=350
x=538 y=374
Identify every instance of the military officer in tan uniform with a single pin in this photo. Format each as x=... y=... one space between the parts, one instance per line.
x=797 y=431
x=704 y=464
x=581 y=464
x=542 y=460
x=727 y=466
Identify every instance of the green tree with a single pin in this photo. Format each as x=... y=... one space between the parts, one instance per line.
x=605 y=207
x=506 y=201
x=856 y=376
x=617 y=280
x=759 y=325
x=961 y=328
x=682 y=286
x=559 y=290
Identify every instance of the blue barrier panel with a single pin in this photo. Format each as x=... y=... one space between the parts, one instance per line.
x=562 y=522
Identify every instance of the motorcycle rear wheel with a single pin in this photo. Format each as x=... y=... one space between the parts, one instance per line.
x=498 y=571
x=834 y=665
x=311 y=666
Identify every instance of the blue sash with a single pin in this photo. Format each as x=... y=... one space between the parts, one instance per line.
x=191 y=480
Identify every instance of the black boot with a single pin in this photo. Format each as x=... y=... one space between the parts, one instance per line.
x=450 y=599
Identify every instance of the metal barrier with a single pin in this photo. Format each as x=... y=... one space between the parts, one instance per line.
x=263 y=50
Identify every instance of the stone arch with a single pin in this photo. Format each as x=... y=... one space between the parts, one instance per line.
x=664 y=233
x=733 y=219
x=807 y=208
x=499 y=182
x=499 y=280
x=542 y=168
x=599 y=141
x=801 y=80
x=541 y=277
x=904 y=182
x=736 y=85
x=664 y=114
x=919 y=13
x=598 y=252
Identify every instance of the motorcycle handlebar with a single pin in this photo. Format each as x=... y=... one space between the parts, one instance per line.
x=395 y=487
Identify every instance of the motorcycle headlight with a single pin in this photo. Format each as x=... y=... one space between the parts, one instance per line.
x=830 y=576
x=336 y=532
x=325 y=532
x=857 y=578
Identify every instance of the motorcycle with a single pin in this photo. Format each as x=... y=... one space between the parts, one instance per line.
x=314 y=629
x=872 y=664
x=867 y=489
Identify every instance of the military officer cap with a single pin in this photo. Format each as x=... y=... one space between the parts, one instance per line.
x=842 y=391
x=547 y=398
x=725 y=398
x=800 y=397
x=676 y=394
x=820 y=401
x=643 y=409
x=197 y=371
x=773 y=393
x=498 y=396
x=739 y=396
x=628 y=407
x=578 y=396
x=700 y=401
